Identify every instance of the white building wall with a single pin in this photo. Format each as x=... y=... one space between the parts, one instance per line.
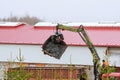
x=74 y=54
x=114 y=57
x=33 y=53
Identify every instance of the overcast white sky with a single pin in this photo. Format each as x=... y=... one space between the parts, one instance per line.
x=63 y=10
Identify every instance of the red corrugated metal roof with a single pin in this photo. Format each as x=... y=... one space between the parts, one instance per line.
x=24 y=34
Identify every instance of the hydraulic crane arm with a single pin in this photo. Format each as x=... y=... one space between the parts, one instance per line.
x=83 y=34
x=55 y=46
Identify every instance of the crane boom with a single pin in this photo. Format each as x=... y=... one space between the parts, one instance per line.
x=83 y=34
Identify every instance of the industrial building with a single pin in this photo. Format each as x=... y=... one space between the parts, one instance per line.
x=16 y=37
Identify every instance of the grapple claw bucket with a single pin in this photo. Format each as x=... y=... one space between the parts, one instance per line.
x=54 y=46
